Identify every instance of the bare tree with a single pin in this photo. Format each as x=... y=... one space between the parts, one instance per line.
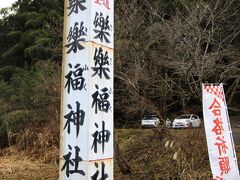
x=161 y=60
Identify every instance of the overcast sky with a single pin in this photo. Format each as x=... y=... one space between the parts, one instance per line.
x=6 y=3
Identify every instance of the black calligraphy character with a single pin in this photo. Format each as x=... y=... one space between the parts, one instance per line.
x=75 y=37
x=103 y=24
x=100 y=137
x=100 y=101
x=103 y=174
x=101 y=60
x=75 y=79
x=74 y=5
x=74 y=118
x=72 y=162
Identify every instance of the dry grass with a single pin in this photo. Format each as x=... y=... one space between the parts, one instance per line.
x=150 y=156
x=34 y=155
x=22 y=168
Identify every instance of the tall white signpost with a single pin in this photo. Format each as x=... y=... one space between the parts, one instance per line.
x=86 y=142
x=221 y=149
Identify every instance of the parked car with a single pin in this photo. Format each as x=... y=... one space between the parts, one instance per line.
x=186 y=121
x=150 y=121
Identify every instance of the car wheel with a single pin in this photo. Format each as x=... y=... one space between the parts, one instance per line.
x=190 y=125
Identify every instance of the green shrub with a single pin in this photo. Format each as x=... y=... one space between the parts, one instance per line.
x=29 y=98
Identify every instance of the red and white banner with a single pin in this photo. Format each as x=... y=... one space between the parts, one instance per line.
x=221 y=149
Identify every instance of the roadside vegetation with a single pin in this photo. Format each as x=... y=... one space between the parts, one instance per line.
x=142 y=154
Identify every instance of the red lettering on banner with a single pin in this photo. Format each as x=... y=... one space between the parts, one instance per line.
x=224 y=165
x=218 y=128
x=220 y=143
x=218 y=178
x=215 y=104
x=216 y=112
x=222 y=147
x=103 y=2
x=216 y=107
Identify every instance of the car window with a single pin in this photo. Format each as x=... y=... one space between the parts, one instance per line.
x=150 y=117
x=184 y=117
x=195 y=117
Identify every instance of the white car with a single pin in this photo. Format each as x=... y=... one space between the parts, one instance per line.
x=150 y=121
x=186 y=121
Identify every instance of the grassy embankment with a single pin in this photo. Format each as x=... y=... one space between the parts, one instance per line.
x=182 y=154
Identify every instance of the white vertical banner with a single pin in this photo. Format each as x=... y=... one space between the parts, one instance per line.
x=220 y=143
x=86 y=124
